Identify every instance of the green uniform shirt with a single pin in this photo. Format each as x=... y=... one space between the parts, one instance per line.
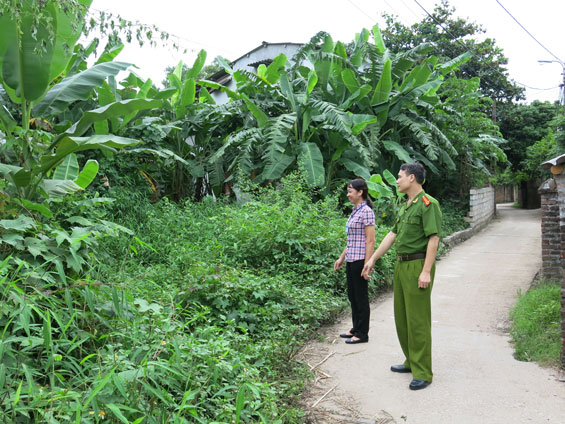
x=415 y=224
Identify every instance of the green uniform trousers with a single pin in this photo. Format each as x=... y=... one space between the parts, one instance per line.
x=413 y=317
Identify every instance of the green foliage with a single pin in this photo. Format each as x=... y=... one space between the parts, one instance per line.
x=523 y=125
x=199 y=322
x=453 y=212
x=476 y=138
x=39 y=162
x=358 y=110
x=539 y=152
x=536 y=324
x=451 y=36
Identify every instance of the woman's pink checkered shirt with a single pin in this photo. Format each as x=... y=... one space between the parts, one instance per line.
x=361 y=217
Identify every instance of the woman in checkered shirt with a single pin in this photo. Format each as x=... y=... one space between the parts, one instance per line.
x=360 y=231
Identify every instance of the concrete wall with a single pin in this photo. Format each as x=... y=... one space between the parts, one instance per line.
x=482 y=206
x=505 y=193
x=482 y=210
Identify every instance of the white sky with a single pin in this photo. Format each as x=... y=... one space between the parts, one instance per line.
x=231 y=28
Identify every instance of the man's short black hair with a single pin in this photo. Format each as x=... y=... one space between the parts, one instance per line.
x=415 y=169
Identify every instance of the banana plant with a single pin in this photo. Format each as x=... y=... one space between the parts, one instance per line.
x=39 y=162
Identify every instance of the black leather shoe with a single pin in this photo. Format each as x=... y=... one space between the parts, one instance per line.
x=417 y=384
x=351 y=341
x=346 y=336
x=400 y=368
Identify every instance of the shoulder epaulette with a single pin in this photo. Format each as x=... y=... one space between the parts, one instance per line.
x=426 y=201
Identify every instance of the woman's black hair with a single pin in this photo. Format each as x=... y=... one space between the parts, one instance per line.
x=360 y=184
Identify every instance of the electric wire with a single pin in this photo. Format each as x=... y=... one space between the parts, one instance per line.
x=537 y=89
x=470 y=48
x=372 y=18
x=362 y=11
x=529 y=33
x=410 y=9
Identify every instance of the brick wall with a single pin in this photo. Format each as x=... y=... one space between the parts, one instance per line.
x=550 y=231
x=560 y=182
x=552 y=194
x=482 y=206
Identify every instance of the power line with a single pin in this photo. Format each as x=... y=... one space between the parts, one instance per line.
x=529 y=33
x=362 y=11
x=469 y=47
x=403 y=18
x=538 y=89
x=410 y=9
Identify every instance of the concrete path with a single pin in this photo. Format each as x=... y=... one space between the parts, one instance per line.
x=476 y=378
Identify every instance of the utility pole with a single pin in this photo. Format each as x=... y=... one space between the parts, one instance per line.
x=562 y=85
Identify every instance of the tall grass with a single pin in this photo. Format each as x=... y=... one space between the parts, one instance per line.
x=536 y=324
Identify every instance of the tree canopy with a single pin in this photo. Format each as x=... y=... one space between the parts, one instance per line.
x=451 y=36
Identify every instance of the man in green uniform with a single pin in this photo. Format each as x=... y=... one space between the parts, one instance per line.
x=416 y=234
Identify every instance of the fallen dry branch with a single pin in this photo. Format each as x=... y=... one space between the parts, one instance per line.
x=322 y=398
x=323 y=360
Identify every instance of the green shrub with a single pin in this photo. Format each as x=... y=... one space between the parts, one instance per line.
x=536 y=324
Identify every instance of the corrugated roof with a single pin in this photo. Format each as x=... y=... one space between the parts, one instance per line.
x=218 y=75
x=553 y=162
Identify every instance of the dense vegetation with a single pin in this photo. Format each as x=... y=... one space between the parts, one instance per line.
x=203 y=322
x=163 y=257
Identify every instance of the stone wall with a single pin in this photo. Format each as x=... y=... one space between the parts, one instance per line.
x=482 y=209
x=482 y=206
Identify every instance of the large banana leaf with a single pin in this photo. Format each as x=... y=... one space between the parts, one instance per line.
x=88 y=173
x=15 y=174
x=356 y=96
x=286 y=89
x=350 y=80
x=262 y=118
x=68 y=145
x=355 y=167
x=310 y=158
x=33 y=52
x=58 y=188
x=26 y=64
x=360 y=121
x=273 y=70
x=312 y=80
x=6 y=119
x=67 y=34
x=68 y=170
x=111 y=54
x=275 y=169
x=382 y=92
x=449 y=66
x=109 y=111
x=384 y=86
x=215 y=86
x=397 y=149
x=379 y=42
x=77 y=87
x=197 y=65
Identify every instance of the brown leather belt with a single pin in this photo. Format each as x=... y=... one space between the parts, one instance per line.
x=413 y=257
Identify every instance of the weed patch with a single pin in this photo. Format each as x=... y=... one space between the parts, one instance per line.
x=536 y=324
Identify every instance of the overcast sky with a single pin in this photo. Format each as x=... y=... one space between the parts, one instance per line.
x=232 y=28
